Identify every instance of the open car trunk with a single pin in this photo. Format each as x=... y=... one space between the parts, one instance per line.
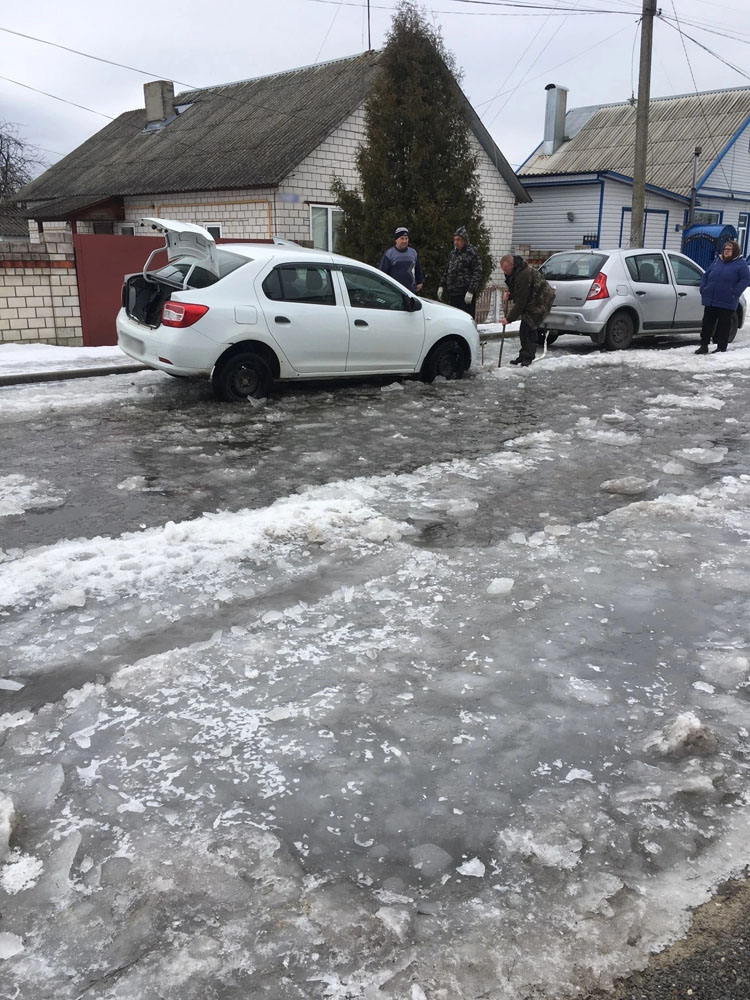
x=143 y=298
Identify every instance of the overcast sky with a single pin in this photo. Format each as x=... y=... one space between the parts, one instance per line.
x=507 y=49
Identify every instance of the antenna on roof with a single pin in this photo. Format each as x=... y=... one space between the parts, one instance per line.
x=369 y=40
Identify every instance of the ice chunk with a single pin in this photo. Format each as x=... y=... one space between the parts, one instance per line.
x=396 y=918
x=430 y=859
x=7 y=819
x=686 y=733
x=627 y=486
x=8 y=685
x=501 y=585
x=10 y=945
x=473 y=867
x=75 y=597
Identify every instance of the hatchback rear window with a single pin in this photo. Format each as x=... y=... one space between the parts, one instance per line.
x=176 y=271
x=573 y=266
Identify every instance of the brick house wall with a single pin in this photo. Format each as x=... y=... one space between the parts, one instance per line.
x=39 y=292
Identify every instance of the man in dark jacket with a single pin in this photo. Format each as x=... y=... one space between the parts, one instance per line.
x=530 y=297
x=402 y=263
x=462 y=274
x=721 y=287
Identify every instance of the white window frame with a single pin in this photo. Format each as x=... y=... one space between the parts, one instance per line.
x=127 y=229
x=329 y=209
x=213 y=225
x=742 y=228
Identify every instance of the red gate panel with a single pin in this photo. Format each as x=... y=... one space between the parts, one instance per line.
x=101 y=264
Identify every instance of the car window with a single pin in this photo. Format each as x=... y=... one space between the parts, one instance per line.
x=573 y=266
x=685 y=273
x=647 y=268
x=176 y=271
x=368 y=291
x=310 y=284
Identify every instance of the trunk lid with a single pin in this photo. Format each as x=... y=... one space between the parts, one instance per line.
x=192 y=244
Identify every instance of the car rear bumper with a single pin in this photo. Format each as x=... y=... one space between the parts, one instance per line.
x=169 y=349
x=575 y=321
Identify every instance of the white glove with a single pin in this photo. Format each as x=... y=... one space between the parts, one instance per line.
x=468 y=298
x=440 y=293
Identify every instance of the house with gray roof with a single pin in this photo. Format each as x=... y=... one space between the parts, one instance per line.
x=581 y=175
x=247 y=160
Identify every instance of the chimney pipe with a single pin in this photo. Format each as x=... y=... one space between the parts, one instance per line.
x=159 y=96
x=554 y=118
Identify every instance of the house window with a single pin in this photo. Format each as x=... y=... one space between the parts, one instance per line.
x=127 y=230
x=742 y=231
x=104 y=228
x=702 y=217
x=325 y=222
x=214 y=228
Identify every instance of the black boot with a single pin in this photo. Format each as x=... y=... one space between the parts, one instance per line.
x=517 y=361
x=718 y=350
x=703 y=349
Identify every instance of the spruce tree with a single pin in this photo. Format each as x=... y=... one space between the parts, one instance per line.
x=416 y=166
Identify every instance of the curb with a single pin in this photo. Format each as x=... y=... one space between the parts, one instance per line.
x=59 y=375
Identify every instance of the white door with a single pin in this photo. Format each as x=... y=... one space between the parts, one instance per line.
x=655 y=294
x=687 y=278
x=387 y=334
x=304 y=317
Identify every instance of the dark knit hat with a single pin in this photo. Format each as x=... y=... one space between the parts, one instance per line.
x=461 y=231
x=400 y=231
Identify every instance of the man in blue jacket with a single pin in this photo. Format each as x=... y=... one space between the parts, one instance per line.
x=402 y=263
x=721 y=287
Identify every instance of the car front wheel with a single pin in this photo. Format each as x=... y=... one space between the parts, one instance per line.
x=240 y=376
x=446 y=359
x=618 y=334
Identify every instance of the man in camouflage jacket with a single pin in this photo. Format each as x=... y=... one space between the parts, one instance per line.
x=462 y=274
x=530 y=298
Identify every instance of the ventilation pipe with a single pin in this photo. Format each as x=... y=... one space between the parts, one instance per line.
x=554 y=118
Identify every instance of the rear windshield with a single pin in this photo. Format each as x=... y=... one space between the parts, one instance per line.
x=176 y=270
x=573 y=266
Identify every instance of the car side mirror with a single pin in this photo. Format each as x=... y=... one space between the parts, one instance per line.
x=414 y=305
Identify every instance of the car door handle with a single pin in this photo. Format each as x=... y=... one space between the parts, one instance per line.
x=361 y=322
x=681 y=295
x=640 y=293
x=282 y=319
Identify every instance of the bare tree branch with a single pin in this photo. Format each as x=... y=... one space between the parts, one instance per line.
x=18 y=160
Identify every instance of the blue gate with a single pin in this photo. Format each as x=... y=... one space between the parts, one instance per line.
x=703 y=243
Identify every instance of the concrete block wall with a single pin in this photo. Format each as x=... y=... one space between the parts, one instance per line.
x=39 y=292
x=498 y=207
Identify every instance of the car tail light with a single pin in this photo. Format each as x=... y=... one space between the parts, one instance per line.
x=598 y=288
x=181 y=313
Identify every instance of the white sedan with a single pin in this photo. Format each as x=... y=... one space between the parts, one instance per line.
x=245 y=314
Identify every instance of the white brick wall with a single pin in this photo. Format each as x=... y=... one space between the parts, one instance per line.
x=39 y=292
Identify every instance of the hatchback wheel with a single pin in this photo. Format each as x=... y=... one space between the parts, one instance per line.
x=734 y=325
x=618 y=334
x=446 y=359
x=242 y=375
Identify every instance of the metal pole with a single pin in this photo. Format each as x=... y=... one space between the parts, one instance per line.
x=691 y=214
x=641 y=124
x=369 y=40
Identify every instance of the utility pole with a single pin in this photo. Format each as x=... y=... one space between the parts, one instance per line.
x=641 y=124
x=691 y=215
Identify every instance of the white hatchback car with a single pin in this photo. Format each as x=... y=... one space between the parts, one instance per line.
x=246 y=314
x=614 y=295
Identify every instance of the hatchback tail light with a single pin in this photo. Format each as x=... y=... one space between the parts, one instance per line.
x=598 y=288
x=181 y=313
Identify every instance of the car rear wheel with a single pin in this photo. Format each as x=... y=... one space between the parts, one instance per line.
x=618 y=334
x=446 y=359
x=734 y=325
x=241 y=376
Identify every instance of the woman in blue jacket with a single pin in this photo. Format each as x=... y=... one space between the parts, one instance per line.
x=721 y=287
